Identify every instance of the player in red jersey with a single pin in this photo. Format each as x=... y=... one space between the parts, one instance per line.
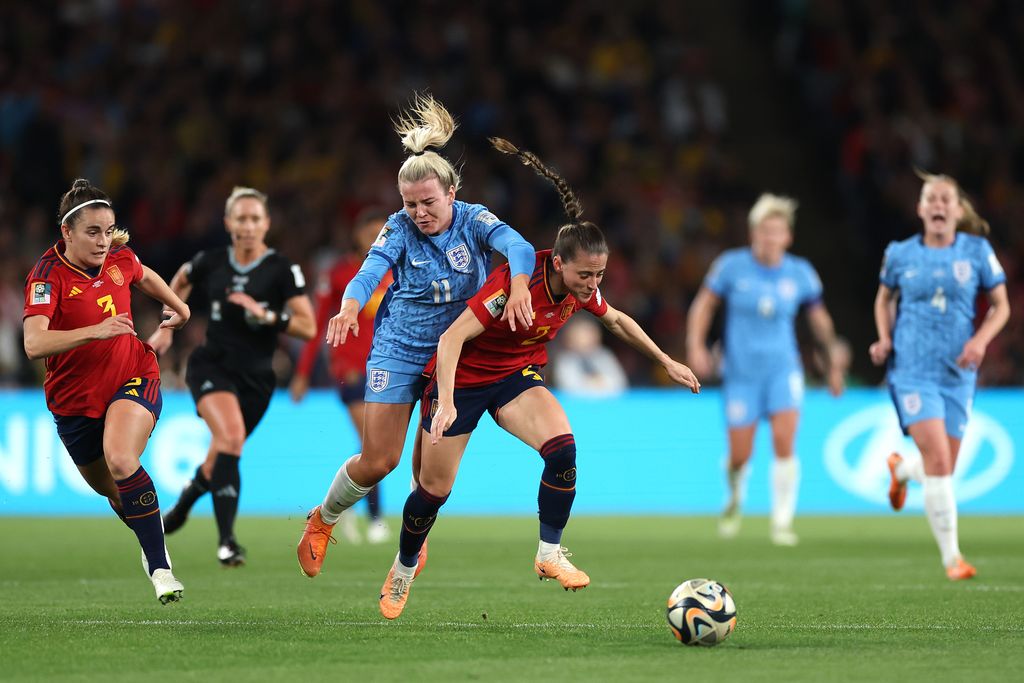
x=484 y=365
x=347 y=362
x=102 y=383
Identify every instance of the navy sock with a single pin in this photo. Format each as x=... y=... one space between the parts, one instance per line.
x=557 y=486
x=226 y=485
x=417 y=518
x=142 y=513
x=373 y=502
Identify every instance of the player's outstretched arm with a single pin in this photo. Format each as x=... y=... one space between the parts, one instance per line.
x=153 y=286
x=449 y=350
x=520 y=303
x=698 y=322
x=42 y=342
x=627 y=329
x=346 y=321
x=162 y=337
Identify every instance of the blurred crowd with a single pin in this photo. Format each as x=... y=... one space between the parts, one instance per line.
x=167 y=105
x=936 y=85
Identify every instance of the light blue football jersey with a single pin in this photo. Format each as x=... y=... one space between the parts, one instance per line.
x=761 y=304
x=434 y=276
x=935 y=315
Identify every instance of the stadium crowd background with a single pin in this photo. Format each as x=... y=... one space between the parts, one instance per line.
x=668 y=118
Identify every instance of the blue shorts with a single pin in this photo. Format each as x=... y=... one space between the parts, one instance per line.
x=749 y=399
x=472 y=402
x=83 y=436
x=918 y=401
x=389 y=380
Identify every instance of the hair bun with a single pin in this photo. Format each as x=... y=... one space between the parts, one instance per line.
x=80 y=184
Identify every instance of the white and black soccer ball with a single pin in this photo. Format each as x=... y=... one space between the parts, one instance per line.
x=701 y=612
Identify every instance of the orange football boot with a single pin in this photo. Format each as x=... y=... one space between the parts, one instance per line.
x=313 y=545
x=897 y=488
x=394 y=594
x=557 y=567
x=960 y=570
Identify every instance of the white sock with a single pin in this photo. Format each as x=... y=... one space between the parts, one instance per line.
x=402 y=570
x=737 y=480
x=343 y=494
x=547 y=549
x=910 y=467
x=785 y=484
x=940 y=506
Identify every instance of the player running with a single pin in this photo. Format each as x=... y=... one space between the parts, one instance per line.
x=439 y=250
x=932 y=348
x=254 y=293
x=347 y=362
x=102 y=383
x=763 y=288
x=486 y=365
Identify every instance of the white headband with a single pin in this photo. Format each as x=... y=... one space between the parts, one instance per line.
x=91 y=201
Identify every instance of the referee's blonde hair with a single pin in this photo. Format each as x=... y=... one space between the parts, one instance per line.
x=239 y=192
x=425 y=127
x=768 y=205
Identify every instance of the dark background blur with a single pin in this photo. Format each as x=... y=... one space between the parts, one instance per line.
x=668 y=118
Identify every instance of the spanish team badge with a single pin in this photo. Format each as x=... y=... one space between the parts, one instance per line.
x=459 y=258
x=567 y=310
x=115 y=274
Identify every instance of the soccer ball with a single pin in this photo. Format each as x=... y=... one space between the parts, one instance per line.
x=701 y=612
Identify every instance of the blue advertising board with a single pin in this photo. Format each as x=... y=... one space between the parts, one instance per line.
x=644 y=452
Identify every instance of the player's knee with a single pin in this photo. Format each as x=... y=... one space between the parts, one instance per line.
x=375 y=467
x=559 y=456
x=231 y=441
x=121 y=463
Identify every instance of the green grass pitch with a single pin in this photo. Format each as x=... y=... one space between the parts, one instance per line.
x=861 y=598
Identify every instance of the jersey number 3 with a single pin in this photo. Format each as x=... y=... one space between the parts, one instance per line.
x=107 y=304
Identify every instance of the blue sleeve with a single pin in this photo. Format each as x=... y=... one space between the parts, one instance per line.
x=717 y=279
x=520 y=254
x=990 y=271
x=887 y=276
x=366 y=280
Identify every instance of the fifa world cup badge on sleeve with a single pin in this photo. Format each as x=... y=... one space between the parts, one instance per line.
x=378 y=380
x=40 y=293
x=495 y=304
x=382 y=236
x=459 y=258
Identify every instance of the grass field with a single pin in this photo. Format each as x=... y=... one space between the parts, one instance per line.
x=859 y=599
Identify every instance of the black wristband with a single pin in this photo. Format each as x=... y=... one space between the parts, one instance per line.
x=281 y=324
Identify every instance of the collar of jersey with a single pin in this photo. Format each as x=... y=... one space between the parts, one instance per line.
x=547 y=285
x=60 y=254
x=245 y=269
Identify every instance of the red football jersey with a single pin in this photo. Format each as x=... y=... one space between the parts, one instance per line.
x=347 y=360
x=498 y=351
x=83 y=380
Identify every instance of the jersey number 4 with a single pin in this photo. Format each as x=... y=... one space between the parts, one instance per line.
x=107 y=304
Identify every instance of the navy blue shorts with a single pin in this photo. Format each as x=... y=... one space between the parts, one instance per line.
x=354 y=391
x=83 y=436
x=473 y=402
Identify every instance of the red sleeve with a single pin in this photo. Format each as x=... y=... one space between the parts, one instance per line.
x=136 y=265
x=41 y=296
x=597 y=305
x=488 y=303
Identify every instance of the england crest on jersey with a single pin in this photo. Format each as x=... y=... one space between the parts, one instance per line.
x=459 y=258
x=378 y=380
x=962 y=271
